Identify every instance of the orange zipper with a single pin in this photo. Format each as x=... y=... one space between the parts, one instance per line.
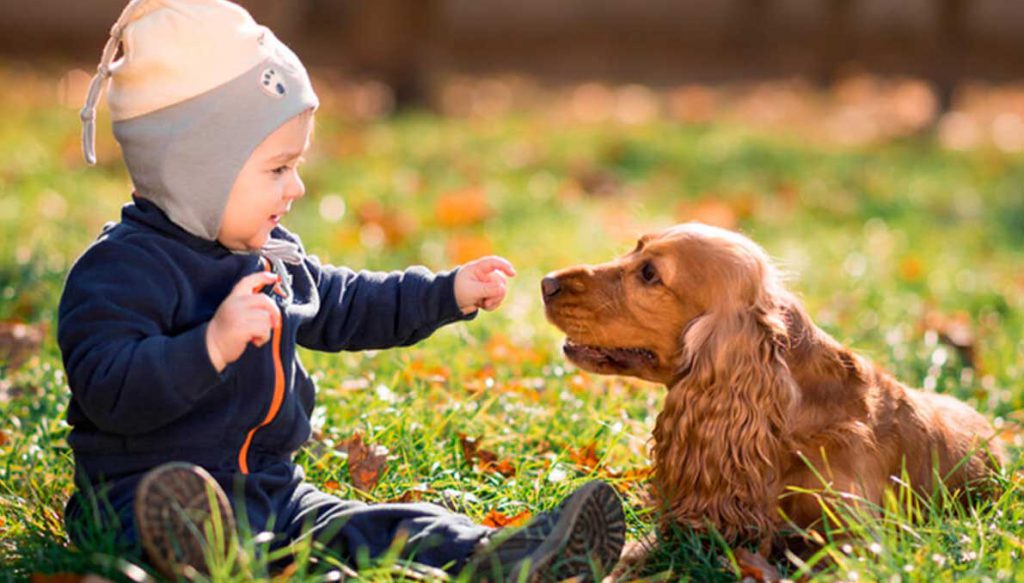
x=275 y=402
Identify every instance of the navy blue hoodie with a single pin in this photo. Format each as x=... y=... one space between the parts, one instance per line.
x=132 y=327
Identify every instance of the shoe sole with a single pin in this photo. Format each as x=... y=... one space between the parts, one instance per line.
x=173 y=513
x=588 y=537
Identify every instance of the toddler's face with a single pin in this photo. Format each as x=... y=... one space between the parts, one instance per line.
x=266 y=186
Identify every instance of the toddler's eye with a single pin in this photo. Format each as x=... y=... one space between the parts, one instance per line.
x=280 y=170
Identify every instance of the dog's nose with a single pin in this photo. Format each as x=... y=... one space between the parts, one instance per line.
x=550 y=287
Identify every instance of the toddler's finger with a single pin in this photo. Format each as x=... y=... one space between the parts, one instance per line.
x=253 y=282
x=263 y=303
x=494 y=277
x=493 y=289
x=493 y=263
x=260 y=328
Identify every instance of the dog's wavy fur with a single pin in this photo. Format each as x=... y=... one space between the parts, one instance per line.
x=759 y=399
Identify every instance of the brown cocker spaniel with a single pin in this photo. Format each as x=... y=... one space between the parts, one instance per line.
x=757 y=394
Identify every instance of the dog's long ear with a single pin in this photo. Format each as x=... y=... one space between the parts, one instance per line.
x=719 y=439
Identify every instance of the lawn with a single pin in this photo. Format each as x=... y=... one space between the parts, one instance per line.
x=906 y=251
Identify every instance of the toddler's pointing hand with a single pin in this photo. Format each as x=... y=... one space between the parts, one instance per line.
x=481 y=283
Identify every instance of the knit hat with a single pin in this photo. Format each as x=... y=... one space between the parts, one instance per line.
x=199 y=85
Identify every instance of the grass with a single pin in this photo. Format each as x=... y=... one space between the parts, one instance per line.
x=885 y=244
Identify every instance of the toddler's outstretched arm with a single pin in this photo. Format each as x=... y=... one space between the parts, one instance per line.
x=371 y=310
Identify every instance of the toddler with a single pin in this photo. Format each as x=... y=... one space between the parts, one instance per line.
x=178 y=327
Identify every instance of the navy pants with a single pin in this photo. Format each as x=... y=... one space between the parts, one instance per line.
x=275 y=498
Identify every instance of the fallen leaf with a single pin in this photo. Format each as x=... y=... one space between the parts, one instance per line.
x=471 y=450
x=287 y=573
x=1012 y=434
x=628 y=480
x=585 y=457
x=462 y=208
x=418 y=370
x=365 y=462
x=384 y=224
x=503 y=467
x=580 y=382
x=408 y=496
x=710 y=211
x=501 y=349
x=754 y=566
x=911 y=268
x=464 y=248
x=495 y=519
x=19 y=342
x=331 y=485
x=486 y=461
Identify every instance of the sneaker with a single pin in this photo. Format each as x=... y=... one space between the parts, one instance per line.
x=580 y=538
x=179 y=510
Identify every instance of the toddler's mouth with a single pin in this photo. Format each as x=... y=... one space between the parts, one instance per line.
x=276 y=218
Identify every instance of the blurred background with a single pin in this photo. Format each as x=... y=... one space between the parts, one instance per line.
x=885 y=68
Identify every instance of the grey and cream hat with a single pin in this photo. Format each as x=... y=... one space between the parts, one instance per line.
x=198 y=86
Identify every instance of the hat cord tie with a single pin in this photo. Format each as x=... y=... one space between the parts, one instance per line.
x=88 y=113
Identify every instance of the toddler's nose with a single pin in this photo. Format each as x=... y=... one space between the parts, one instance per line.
x=297 y=189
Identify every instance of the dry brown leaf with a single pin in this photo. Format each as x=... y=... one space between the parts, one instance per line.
x=365 y=462
x=486 y=461
x=754 y=566
x=503 y=467
x=471 y=450
x=409 y=496
x=19 y=342
x=626 y=481
x=495 y=519
x=585 y=457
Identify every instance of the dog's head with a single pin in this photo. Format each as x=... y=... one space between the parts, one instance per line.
x=639 y=315
x=701 y=310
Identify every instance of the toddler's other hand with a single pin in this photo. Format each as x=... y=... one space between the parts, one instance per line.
x=244 y=316
x=481 y=283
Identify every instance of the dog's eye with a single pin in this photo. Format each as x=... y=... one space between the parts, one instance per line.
x=648 y=273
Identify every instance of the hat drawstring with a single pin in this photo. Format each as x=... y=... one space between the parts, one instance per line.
x=88 y=113
x=281 y=250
